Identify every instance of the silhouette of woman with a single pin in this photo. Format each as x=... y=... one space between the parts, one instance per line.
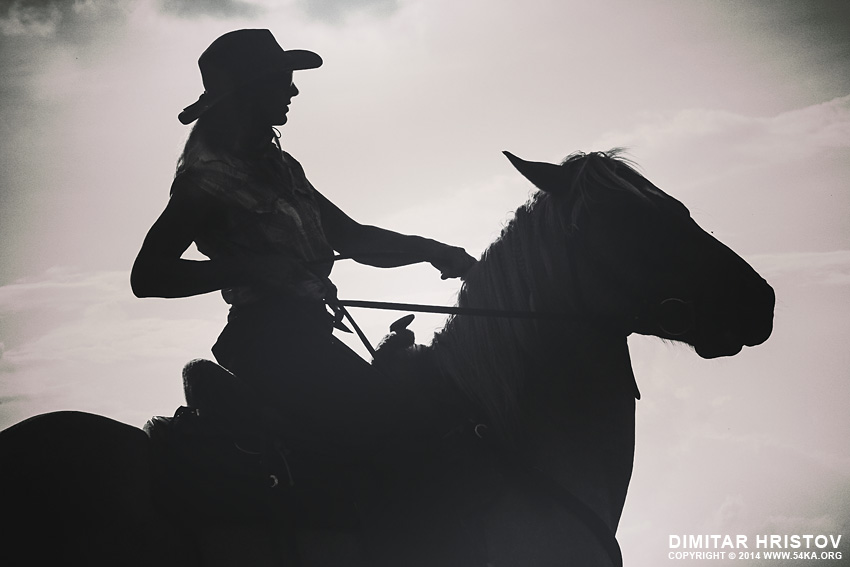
x=270 y=236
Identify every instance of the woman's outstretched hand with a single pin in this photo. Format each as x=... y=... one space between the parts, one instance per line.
x=453 y=262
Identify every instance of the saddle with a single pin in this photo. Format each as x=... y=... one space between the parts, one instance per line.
x=224 y=447
x=221 y=456
x=219 y=462
x=215 y=459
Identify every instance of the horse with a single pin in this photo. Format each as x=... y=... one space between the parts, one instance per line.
x=533 y=371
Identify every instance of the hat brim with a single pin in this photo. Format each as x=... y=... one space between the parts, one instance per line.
x=290 y=60
x=301 y=59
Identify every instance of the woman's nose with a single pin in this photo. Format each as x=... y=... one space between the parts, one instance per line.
x=293 y=90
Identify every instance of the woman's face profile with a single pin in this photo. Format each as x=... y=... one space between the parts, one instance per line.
x=271 y=97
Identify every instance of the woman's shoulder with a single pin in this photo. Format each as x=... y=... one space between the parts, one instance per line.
x=210 y=174
x=294 y=164
x=216 y=165
x=300 y=183
x=188 y=186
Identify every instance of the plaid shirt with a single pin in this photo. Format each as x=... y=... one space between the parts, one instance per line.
x=264 y=206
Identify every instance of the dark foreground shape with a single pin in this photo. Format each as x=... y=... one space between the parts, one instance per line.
x=534 y=462
x=77 y=491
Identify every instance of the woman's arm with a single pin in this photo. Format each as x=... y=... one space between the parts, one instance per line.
x=387 y=249
x=159 y=270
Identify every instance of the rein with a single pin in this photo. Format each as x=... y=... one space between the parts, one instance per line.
x=339 y=306
x=440 y=309
x=451 y=310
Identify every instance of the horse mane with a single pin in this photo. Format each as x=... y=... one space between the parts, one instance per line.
x=527 y=268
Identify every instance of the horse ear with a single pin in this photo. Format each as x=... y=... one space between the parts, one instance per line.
x=545 y=176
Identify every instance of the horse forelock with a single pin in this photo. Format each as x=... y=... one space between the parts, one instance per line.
x=609 y=175
x=527 y=268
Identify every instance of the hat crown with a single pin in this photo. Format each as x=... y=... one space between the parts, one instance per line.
x=239 y=56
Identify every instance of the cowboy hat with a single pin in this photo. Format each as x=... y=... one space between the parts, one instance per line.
x=238 y=57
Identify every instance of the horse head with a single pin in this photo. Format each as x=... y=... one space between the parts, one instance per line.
x=646 y=266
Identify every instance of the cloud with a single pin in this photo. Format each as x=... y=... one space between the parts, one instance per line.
x=779 y=180
x=51 y=18
x=815 y=268
x=828 y=524
x=43 y=38
x=214 y=8
x=33 y=18
x=89 y=317
x=834 y=522
x=80 y=340
x=759 y=443
x=101 y=337
x=5 y=365
x=792 y=135
x=726 y=515
x=11 y=399
x=62 y=289
x=335 y=11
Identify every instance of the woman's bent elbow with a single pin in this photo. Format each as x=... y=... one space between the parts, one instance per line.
x=141 y=282
x=138 y=286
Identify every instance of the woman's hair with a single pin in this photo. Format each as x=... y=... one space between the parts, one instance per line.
x=210 y=133
x=215 y=130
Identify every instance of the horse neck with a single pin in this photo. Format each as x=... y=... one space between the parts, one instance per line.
x=563 y=390
x=578 y=421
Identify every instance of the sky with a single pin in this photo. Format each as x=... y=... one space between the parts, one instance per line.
x=740 y=109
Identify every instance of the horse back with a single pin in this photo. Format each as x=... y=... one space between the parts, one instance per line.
x=78 y=486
